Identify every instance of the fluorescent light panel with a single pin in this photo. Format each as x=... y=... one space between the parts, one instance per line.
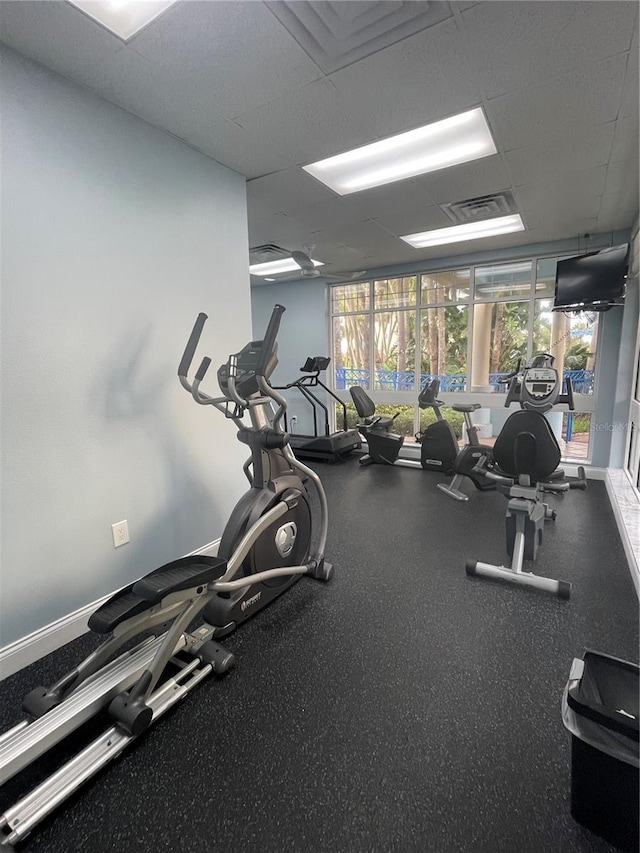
x=426 y=149
x=274 y=267
x=468 y=231
x=124 y=18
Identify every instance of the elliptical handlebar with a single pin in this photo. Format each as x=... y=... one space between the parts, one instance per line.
x=189 y=350
x=269 y=340
x=185 y=364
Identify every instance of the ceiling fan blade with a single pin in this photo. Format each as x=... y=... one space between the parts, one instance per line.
x=303 y=260
x=348 y=276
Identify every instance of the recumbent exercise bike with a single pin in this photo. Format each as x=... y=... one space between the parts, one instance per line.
x=438 y=442
x=266 y=546
x=524 y=465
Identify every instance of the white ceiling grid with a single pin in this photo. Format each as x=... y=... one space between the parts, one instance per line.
x=267 y=87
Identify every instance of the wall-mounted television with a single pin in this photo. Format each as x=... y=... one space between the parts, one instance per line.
x=592 y=282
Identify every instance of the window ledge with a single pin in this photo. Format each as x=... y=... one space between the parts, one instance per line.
x=625 y=502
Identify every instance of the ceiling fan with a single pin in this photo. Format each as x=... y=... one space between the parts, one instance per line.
x=303 y=260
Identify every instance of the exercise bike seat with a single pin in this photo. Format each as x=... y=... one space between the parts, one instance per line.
x=466 y=407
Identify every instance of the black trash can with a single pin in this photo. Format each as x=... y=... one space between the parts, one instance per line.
x=600 y=709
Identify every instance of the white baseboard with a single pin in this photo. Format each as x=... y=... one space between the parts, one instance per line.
x=623 y=512
x=29 y=649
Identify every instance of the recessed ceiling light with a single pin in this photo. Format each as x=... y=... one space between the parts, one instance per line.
x=468 y=231
x=435 y=146
x=124 y=18
x=274 y=267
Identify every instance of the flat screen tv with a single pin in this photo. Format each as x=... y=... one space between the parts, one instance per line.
x=591 y=282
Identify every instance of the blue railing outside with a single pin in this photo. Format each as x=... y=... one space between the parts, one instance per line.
x=404 y=380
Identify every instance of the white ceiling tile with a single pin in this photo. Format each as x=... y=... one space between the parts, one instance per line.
x=617 y=211
x=580 y=148
x=567 y=190
x=630 y=90
x=562 y=212
x=333 y=213
x=309 y=124
x=366 y=236
x=588 y=96
x=390 y=199
x=233 y=56
x=625 y=139
x=557 y=38
x=56 y=35
x=622 y=199
x=232 y=146
x=622 y=177
x=281 y=190
x=279 y=229
x=467 y=180
x=423 y=79
x=410 y=221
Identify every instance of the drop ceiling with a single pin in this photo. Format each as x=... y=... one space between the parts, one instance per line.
x=267 y=87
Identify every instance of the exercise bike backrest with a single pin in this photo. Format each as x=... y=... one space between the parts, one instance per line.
x=366 y=409
x=526 y=444
x=428 y=397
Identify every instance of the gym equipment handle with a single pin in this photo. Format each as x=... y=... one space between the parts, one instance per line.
x=192 y=343
x=581 y=482
x=269 y=340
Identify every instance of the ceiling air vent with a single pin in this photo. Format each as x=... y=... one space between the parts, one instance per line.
x=483 y=207
x=268 y=252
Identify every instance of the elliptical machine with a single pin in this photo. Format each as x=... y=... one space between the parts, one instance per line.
x=439 y=445
x=524 y=465
x=266 y=546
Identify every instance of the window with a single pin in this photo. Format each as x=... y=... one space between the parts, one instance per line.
x=394 y=333
x=351 y=347
x=395 y=348
x=468 y=327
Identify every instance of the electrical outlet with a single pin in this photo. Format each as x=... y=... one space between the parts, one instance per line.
x=120 y=532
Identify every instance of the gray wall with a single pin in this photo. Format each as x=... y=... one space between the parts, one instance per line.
x=114 y=237
x=304 y=332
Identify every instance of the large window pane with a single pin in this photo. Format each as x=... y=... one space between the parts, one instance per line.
x=395 y=350
x=394 y=292
x=503 y=281
x=500 y=333
x=546 y=277
x=443 y=352
x=542 y=322
x=571 y=339
x=351 y=336
x=450 y=286
x=350 y=297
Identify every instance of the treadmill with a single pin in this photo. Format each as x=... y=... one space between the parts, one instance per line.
x=330 y=446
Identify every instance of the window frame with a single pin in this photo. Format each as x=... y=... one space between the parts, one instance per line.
x=583 y=402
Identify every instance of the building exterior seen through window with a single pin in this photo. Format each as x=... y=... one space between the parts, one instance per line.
x=467 y=327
